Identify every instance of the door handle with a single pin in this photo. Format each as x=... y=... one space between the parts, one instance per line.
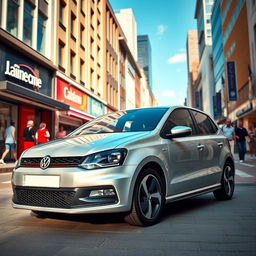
x=200 y=147
x=220 y=144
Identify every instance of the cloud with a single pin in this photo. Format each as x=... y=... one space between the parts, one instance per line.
x=161 y=29
x=177 y=58
x=168 y=93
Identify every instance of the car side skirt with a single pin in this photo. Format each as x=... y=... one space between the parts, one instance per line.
x=192 y=193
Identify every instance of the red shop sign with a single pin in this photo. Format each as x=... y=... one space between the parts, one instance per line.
x=71 y=96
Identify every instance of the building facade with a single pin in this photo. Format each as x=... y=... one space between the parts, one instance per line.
x=128 y=24
x=251 y=13
x=192 y=65
x=27 y=75
x=63 y=62
x=218 y=62
x=87 y=59
x=144 y=56
x=205 y=82
x=240 y=103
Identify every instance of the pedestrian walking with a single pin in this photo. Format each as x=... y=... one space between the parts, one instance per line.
x=61 y=133
x=241 y=134
x=1 y=137
x=29 y=135
x=42 y=134
x=252 y=139
x=229 y=132
x=10 y=142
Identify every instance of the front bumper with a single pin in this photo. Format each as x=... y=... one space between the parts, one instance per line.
x=72 y=195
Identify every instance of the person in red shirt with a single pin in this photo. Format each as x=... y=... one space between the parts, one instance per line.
x=42 y=134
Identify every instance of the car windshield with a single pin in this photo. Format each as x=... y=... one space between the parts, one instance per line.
x=135 y=120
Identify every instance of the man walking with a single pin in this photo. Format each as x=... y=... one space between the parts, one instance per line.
x=241 y=134
x=229 y=132
x=10 y=142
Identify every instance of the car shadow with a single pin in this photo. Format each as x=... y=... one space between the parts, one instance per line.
x=186 y=206
x=110 y=218
x=172 y=209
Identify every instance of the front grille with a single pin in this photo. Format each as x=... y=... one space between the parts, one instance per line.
x=55 y=161
x=44 y=198
x=64 y=198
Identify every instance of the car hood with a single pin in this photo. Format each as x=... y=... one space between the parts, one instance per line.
x=83 y=144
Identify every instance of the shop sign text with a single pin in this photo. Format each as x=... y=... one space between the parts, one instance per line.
x=16 y=72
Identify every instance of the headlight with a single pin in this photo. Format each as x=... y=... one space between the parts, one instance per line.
x=109 y=158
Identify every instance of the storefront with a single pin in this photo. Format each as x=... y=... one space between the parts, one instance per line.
x=247 y=112
x=78 y=101
x=26 y=91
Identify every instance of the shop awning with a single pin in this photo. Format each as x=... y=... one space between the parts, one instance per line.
x=23 y=94
x=79 y=115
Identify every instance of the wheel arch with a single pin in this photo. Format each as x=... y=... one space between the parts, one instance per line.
x=152 y=162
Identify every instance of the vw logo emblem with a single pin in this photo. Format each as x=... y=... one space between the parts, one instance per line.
x=45 y=162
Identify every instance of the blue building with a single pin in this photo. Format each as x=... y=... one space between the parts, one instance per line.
x=144 y=56
x=217 y=57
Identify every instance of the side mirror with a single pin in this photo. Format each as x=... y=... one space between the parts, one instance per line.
x=179 y=131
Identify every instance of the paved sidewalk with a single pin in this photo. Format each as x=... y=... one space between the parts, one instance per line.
x=8 y=167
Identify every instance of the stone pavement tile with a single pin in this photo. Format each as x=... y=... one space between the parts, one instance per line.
x=229 y=247
x=16 y=248
x=148 y=244
x=28 y=237
x=67 y=251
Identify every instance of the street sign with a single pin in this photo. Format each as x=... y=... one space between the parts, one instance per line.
x=232 y=86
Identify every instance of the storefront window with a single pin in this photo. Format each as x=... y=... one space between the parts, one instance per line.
x=12 y=17
x=27 y=26
x=8 y=113
x=41 y=34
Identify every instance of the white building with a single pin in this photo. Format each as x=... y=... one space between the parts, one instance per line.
x=129 y=26
x=205 y=82
x=144 y=90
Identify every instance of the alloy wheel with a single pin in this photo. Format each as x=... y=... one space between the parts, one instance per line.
x=149 y=196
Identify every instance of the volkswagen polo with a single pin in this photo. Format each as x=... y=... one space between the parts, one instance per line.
x=132 y=162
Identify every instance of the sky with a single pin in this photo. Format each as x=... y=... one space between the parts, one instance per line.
x=166 y=22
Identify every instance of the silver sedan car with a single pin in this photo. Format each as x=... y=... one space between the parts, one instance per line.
x=132 y=161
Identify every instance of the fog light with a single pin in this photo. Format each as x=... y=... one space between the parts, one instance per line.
x=102 y=192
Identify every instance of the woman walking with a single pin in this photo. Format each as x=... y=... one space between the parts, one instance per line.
x=42 y=134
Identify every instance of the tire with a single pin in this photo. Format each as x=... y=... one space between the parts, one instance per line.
x=148 y=199
x=227 y=183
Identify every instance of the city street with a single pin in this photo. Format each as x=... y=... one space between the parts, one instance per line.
x=198 y=226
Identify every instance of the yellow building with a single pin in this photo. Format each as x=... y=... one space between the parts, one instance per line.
x=87 y=40
x=236 y=48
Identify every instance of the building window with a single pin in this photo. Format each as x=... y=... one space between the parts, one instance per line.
x=61 y=56
x=61 y=12
x=82 y=72
x=72 y=25
x=28 y=24
x=82 y=29
x=41 y=34
x=92 y=80
x=12 y=17
x=72 y=64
